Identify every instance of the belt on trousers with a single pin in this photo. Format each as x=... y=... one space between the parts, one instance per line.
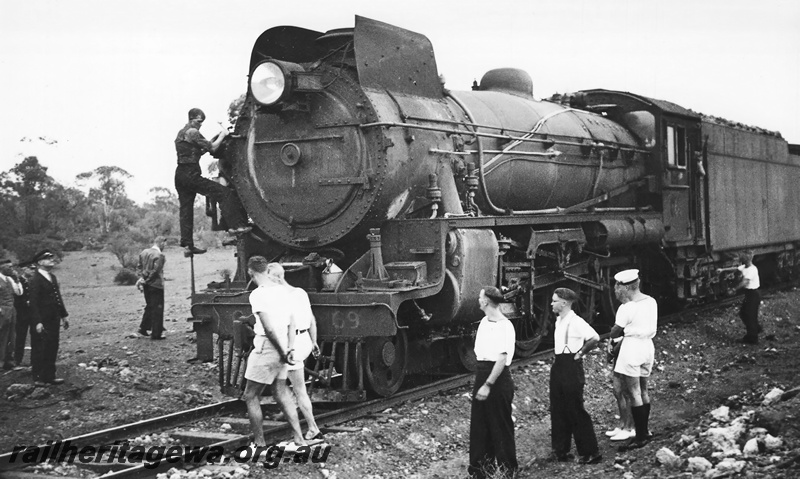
x=486 y=365
x=300 y=331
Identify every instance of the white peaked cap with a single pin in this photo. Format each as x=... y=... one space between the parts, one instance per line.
x=627 y=276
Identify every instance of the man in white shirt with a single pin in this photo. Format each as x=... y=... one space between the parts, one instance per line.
x=305 y=344
x=272 y=352
x=573 y=339
x=491 y=431
x=752 y=298
x=637 y=320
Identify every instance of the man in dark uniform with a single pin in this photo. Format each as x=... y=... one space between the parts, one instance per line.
x=151 y=283
x=47 y=315
x=190 y=145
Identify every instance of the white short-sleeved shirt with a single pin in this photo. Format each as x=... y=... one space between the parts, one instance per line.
x=750 y=275
x=494 y=338
x=639 y=319
x=274 y=301
x=301 y=309
x=571 y=333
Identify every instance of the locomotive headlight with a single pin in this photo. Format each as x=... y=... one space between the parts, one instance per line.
x=268 y=82
x=274 y=81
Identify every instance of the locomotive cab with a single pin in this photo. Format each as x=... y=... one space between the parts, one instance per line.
x=673 y=134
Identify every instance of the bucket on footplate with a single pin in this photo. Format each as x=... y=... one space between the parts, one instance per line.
x=331 y=276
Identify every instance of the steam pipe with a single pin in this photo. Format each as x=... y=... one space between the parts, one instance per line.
x=394 y=124
x=451 y=203
x=494 y=209
x=434 y=194
x=527 y=136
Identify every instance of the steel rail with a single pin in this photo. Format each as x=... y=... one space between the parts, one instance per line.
x=126 y=431
x=349 y=413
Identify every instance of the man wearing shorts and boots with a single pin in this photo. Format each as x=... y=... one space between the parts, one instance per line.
x=272 y=353
x=637 y=320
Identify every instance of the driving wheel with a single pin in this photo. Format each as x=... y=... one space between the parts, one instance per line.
x=465 y=348
x=385 y=363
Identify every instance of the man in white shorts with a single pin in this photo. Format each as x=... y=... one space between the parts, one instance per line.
x=637 y=319
x=272 y=352
x=305 y=344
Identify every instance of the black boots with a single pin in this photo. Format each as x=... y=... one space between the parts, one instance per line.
x=647 y=421
x=192 y=250
x=641 y=419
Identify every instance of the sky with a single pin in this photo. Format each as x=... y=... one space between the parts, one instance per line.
x=89 y=83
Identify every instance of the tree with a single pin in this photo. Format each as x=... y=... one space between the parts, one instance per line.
x=235 y=108
x=221 y=165
x=163 y=199
x=36 y=211
x=159 y=223
x=109 y=191
x=161 y=213
x=67 y=211
x=27 y=178
x=9 y=219
x=126 y=215
x=125 y=246
x=29 y=181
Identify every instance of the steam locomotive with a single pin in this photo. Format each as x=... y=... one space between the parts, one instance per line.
x=392 y=201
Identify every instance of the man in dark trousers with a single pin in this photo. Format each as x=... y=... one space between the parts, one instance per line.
x=752 y=298
x=47 y=315
x=9 y=290
x=22 y=304
x=190 y=145
x=151 y=283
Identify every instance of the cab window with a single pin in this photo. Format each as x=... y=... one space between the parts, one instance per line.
x=643 y=124
x=676 y=146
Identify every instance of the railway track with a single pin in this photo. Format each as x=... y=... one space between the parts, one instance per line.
x=191 y=427
x=177 y=425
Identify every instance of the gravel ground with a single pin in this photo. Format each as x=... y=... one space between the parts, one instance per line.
x=114 y=377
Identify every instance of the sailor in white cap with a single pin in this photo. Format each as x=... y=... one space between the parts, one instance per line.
x=627 y=277
x=636 y=319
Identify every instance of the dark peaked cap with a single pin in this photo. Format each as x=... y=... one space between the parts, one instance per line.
x=45 y=253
